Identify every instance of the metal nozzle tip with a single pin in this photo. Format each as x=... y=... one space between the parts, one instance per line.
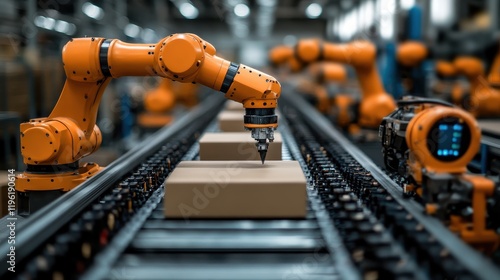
x=263 y=155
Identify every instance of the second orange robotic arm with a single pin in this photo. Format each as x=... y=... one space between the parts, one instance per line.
x=361 y=55
x=484 y=99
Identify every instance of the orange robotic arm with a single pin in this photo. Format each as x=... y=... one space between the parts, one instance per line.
x=322 y=73
x=186 y=94
x=375 y=103
x=280 y=55
x=471 y=67
x=484 y=99
x=445 y=68
x=328 y=72
x=411 y=53
x=447 y=86
x=55 y=144
x=284 y=55
x=161 y=99
x=494 y=75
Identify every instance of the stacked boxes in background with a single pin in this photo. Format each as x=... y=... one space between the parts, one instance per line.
x=236 y=146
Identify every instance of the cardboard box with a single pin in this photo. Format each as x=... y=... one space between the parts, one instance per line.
x=234 y=106
x=235 y=189
x=236 y=146
x=231 y=121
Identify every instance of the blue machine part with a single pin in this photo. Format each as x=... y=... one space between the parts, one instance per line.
x=126 y=116
x=414 y=23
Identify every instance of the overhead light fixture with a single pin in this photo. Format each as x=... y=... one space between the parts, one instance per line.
x=407 y=4
x=442 y=12
x=348 y=26
x=367 y=13
x=40 y=21
x=132 y=30
x=387 y=21
x=148 y=35
x=290 y=40
x=241 y=10
x=267 y=3
x=65 y=27
x=314 y=10
x=241 y=30
x=56 y=25
x=45 y=22
x=93 y=11
x=61 y=26
x=188 y=10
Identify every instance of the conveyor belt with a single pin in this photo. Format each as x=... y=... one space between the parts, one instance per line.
x=490 y=127
x=223 y=249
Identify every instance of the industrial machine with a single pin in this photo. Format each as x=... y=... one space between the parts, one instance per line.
x=375 y=103
x=484 y=97
x=429 y=143
x=280 y=55
x=315 y=87
x=161 y=98
x=186 y=94
x=448 y=86
x=340 y=107
x=409 y=55
x=53 y=146
x=158 y=103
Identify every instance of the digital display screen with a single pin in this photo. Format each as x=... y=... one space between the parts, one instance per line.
x=449 y=139
x=451 y=135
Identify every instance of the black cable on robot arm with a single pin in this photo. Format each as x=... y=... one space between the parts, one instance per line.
x=424 y=101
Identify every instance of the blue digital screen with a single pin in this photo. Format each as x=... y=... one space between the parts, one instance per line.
x=450 y=139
